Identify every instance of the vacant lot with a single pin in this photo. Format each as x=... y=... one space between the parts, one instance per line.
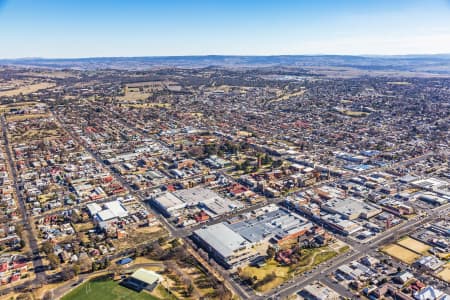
x=401 y=253
x=104 y=288
x=445 y=274
x=272 y=267
x=414 y=245
x=280 y=273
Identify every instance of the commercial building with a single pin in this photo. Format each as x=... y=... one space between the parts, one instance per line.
x=230 y=242
x=171 y=203
x=318 y=291
x=350 y=208
x=277 y=225
x=227 y=247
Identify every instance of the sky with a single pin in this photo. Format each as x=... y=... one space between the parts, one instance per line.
x=97 y=28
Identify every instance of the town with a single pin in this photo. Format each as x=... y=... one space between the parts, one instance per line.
x=223 y=183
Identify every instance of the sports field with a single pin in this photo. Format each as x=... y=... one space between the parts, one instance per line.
x=400 y=253
x=414 y=245
x=105 y=289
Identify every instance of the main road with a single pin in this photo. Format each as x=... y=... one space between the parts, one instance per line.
x=26 y=221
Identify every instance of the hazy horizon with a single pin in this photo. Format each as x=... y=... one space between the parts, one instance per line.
x=85 y=29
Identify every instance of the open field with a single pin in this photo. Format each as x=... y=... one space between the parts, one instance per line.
x=400 y=253
x=27 y=89
x=414 y=245
x=445 y=274
x=271 y=267
x=288 y=96
x=13 y=118
x=50 y=74
x=309 y=258
x=352 y=113
x=104 y=288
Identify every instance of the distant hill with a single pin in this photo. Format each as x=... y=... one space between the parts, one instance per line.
x=437 y=64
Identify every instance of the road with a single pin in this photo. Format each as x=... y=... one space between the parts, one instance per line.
x=26 y=221
x=174 y=232
x=359 y=250
x=294 y=285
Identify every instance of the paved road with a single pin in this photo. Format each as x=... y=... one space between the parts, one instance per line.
x=294 y=285
x=26 y=221
x=358 y=252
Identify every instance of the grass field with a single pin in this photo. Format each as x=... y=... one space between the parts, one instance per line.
x=105 y=289
x=309 y=259
x=271 y=266
x=401 y=253
x=414 y=245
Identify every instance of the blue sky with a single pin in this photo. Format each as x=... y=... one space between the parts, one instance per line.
x=86 y=28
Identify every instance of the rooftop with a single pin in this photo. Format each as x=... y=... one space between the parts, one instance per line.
x=223 y=239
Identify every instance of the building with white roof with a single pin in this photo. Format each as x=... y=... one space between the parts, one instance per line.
x=226 y=246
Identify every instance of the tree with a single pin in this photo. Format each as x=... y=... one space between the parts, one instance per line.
x=54 y=260
x=270 y=252
x=67 y=273
x=47 y=247
x=48 y=295
x=76 y=269
x=189 y=290
x=277 y=163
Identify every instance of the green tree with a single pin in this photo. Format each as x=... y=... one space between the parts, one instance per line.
x=47 y=247
x=53 y=260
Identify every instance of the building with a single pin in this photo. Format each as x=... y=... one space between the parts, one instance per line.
x=168 y=203
x=109 y=213
x=351 y=209
x=227 y=247
x=276 y=225
x=171 y=204
x=429 y=263
x=318 y=291
x=142 y=279
x=230 y=242
x=337 y=223
x=430 y=293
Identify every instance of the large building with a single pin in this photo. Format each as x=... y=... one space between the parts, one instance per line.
x=351 y=209
x=172 y=204
x=230 y=242
x=226 y=246
x=276 y=224
x=318 y=291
